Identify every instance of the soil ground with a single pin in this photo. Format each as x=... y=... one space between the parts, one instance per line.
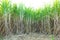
x=31 y=36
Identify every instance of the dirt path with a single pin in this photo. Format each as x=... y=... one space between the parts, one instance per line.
x=33 y=36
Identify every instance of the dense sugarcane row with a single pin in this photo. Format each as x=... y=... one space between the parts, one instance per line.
x=20 y=19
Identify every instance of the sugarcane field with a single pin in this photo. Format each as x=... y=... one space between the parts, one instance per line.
x=29 y=19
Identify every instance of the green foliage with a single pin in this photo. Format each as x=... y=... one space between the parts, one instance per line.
x=52 y=38
x=5 y=5
x=14 y=10
x=1 y=37
x=28 y=13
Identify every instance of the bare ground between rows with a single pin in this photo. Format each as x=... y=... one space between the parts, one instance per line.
x=31 y=36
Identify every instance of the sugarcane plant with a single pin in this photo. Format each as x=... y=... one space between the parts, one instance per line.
x=5 y=11
x=20 y=19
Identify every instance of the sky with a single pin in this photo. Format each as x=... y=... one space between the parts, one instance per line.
x=34 y=3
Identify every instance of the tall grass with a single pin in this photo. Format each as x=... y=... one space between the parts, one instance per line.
x=20 y=19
